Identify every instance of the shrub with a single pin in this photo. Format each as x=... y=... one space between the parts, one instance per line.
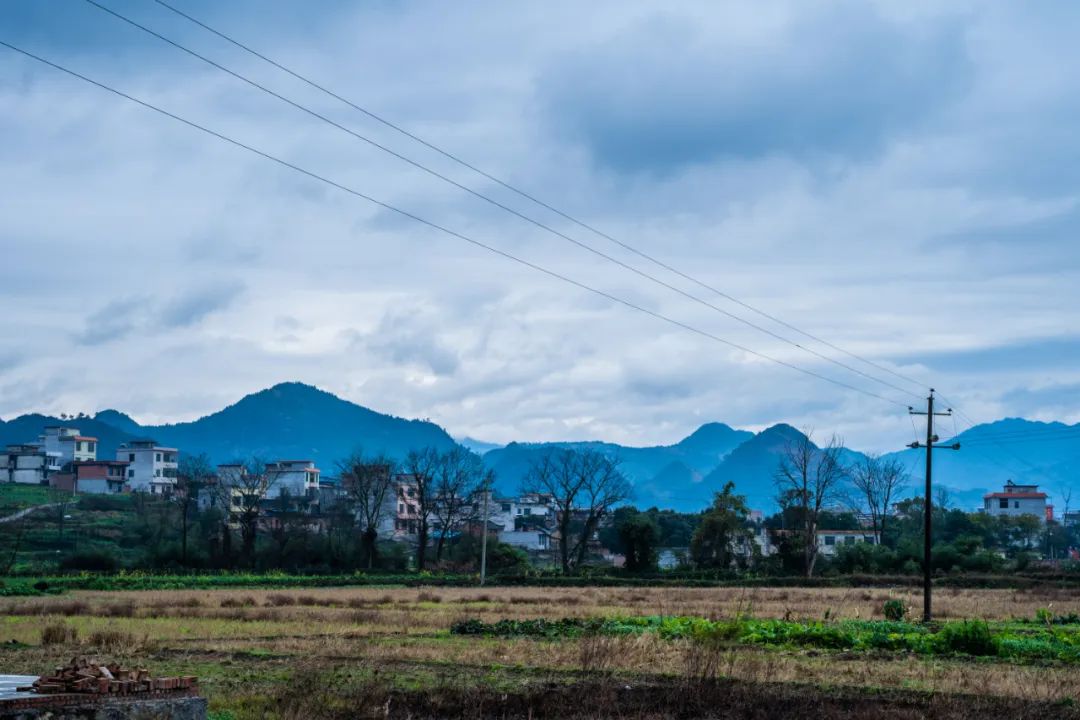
x=58 y=634
x=971 y=637
x=894 y=610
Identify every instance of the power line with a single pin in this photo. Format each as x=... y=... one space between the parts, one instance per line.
x=457 y=159
x=445 y=230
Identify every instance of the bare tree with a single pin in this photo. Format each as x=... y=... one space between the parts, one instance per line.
x=584 y=485
x=422 y=466
x=808 y=476
x=878 y=481
x=1065 y=491
x=243 y=487
x=192 y=479
x=369 y=484
x=458 y=476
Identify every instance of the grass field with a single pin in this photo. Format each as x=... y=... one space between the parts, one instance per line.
x=341 y=652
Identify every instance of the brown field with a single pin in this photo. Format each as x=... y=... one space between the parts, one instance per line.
x=250 y=647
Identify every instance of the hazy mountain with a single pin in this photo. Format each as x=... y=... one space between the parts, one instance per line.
x=752 y=466
x=664 y=475
x=1047 y=454
x=292 y=421
x=478 y=446
x=295 y=421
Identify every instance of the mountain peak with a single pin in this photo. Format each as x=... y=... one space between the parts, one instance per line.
x=118 y=420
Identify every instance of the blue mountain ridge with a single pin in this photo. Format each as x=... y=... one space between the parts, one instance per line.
x=297 y=421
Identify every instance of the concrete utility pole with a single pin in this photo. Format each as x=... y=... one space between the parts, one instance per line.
x=931 y=438
x=483 y=537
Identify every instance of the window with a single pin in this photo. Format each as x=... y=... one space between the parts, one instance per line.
x=830 y=540
x=91 y=447
x=519 y=511
x=528 y=511
x=78 y=446
x=157 y=457
x=1016 y=504
x=131 y=473
x=1003 y=503
x=849 y=540
x=157 y=472
x=505 y=507
x=131 y=457
x=401 y=508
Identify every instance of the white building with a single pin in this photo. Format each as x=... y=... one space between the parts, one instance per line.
x=68 y=444
x=537 y=540
x=829 y=541
x=27 y=463
x=1015 y=500
x=151 y=467
x=299 y=478
x=529 y=509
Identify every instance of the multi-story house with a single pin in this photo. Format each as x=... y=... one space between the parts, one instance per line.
x=28 y=463
x=151 y=467
x=298 y=478
x=68 y=444
x=529 y=511
x=1015 y=500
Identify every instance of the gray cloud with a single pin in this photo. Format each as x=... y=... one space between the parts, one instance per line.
x=891 y=176
x=113 y=321
x=193 y=306
x=669 y=92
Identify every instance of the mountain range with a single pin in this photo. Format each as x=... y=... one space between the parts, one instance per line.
x=297 y=421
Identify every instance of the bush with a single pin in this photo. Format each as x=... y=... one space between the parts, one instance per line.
x=971 y=637
x=895 y=610
x=58 y=634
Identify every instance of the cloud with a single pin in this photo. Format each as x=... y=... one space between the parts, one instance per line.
x=894 y=177
x=410 y=336
x=191 y=307
x=671 y=91
x=113 y=321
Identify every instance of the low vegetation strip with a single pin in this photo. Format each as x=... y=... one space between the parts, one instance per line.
x=1014 y=641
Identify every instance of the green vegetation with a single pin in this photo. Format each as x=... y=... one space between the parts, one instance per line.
x=1011 y=641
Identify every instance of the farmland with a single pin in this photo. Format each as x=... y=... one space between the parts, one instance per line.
x=347 y=652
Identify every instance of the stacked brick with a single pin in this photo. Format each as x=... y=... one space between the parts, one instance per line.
x=93 y=678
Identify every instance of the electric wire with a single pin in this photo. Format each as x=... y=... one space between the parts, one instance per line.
x=496 y=203
x=452 y=233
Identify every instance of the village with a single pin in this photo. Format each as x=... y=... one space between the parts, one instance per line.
x=285 y=495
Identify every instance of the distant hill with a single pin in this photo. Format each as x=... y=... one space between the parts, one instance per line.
x=1047 y=454
x=296 y=421
x=752 y=466
x=478 y=446
x=291 y=421
x=664 y=475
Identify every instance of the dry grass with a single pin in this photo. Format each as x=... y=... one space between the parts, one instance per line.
x=223 y=631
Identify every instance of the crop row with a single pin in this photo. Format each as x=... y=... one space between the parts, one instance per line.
x=973 y=637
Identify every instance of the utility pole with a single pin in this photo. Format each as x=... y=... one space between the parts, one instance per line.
x=931 y=438
x=484 y=534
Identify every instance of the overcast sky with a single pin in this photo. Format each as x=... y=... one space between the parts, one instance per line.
x=900 y=179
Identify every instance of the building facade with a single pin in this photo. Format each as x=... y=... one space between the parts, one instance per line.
x=151 y=467
x=28 y=463
x=1015 y=500
x=68 y=444
x=298 y=478
x=829 y=541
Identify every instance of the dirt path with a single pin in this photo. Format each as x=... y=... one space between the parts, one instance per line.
x=26 y=511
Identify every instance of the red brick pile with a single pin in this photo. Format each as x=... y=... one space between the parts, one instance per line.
x=91 y=677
